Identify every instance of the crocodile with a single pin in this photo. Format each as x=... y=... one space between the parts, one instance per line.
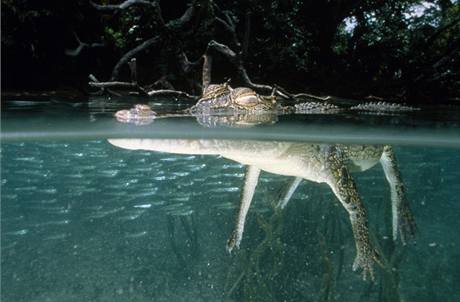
x=222 y=105
x=321 y=163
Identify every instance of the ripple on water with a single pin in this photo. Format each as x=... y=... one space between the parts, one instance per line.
x=195 y=167
x=143 y=206
x=135 y=235
x=180 y=211
x=53 y=222
x=104 y=213
x=233 y=175
x=26 y=189
x=227 y=205
x=224 y=190
x=47 y=190
x=18 y=232
x=145 y=193
x=181 y=174
x=108 y=173
x=57 y=236
x=232 y=166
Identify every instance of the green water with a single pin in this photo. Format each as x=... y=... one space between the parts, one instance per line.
x=83 y=220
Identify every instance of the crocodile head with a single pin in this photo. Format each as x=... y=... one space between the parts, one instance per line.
x=141 y=114
x=246 y=99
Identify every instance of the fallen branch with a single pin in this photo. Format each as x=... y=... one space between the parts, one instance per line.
x=112 y=84
x=102 y=90
x=115 y=84
x=167 y=92
x=312 y=96
x=172 y=28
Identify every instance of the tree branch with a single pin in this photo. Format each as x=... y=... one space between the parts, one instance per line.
x=130 y=54
x=124 y=5
x=247 y=33
x=206 y=73
x=81 y=45
x=167 y=92
x=181 y=22
x=446 y=27
x=123 y=85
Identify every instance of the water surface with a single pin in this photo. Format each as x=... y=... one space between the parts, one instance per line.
x=83 y=220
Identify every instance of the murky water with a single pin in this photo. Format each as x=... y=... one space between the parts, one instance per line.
x=84 y=220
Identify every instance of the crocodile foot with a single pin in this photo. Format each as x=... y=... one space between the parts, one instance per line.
x=364 y=260
x=233 y=242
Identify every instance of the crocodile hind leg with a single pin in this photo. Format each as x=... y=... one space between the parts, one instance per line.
x=402 y=218
x=287 y=193
x=343 y=186
x=250 y=183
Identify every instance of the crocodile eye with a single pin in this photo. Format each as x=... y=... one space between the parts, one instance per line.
x=248 y=100
x=142 y=107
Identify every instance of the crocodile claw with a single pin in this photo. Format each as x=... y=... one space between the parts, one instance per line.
x=364 y=260
x=233 y=242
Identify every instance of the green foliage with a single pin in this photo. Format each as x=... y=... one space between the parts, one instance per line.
x=345 y=47
x=115 y=37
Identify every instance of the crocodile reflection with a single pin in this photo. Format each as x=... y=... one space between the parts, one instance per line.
x=321 y=163
x=221 y=105
x=142 y=114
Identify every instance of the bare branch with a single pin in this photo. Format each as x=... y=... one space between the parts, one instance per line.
x=164 y=83
x=124 y=5
x=102 y=90
x=112 y=84
x=247 y=33
x=167 y=92
x=81 y=45
x=245 y=77
x=115 y=84
x=185 y=64
x=207 y=67
x=133 y=68
x=183 y=21
x=311 y=96
x=224 y=49
x=130 y=54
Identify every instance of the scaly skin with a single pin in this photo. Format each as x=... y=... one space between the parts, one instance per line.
x=223 y=98
x=328 y=108
x=221 y=105
x=141 y=114
x=313 y=162
x=403 y=219
x=344 y=188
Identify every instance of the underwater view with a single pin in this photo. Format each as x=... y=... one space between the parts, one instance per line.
x=230 y=150
x=114 y=211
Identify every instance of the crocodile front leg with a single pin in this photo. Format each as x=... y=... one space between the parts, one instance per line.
x=288 y=192
x=343 y=186
x=403 y=220
x=250 y=183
